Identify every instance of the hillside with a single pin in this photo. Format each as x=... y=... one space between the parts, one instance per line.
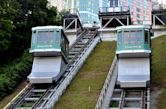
x=84 y=90
x=158 y=77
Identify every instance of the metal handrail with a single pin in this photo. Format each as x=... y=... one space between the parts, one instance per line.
x=106 y=84
x=113 y=9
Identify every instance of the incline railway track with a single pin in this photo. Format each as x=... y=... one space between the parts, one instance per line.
x=41 y=96
x=130 y=99
x=114 y=97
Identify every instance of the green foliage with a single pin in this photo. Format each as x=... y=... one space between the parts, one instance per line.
x=17 y=19
x=7 y=13
x=32 y=13
x=11 y=74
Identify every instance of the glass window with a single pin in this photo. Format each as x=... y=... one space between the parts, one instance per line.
x=111 y=3
x=119 y=37
x=126 y=37
x=139 y=37
x=63 y=45
x=45 y=37
x=146 y=37
x=133 y=37
x=138 y=10
x=116 y=3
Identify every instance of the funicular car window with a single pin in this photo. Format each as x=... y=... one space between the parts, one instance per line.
x=146 y=36
x=133 y=37
x=126 y=38
x=119 y=37
x=45 y=37
x=139 y=37
x=63 y=43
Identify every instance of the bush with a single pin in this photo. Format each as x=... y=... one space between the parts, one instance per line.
x=12 y=74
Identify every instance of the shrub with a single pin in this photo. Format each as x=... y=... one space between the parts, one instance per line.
x=12 y=74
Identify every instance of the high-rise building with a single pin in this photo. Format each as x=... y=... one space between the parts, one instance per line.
x=104 y=3
x=155 y=4
x=70 y=4
x=88 y=10
x=114 y=3
x=60 y=4
x=141 y=10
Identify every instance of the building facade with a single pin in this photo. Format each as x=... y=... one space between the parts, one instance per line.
x=141 y=10
x=104 y=3
x=60 y=4
x=155 y=4
x=88 y=10
x=70 y=4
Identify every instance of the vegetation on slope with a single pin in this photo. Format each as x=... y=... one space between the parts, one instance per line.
x=159 y=69
x=159 y=61
x=17 y=17
x=12 y=74
x=84 y=90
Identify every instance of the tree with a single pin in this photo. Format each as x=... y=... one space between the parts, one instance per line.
x=17 y=17
x=7 y=13
x=32 y=13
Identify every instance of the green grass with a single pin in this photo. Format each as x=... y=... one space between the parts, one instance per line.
x=159 y=62
x=159 y=69
x=92 y=75
x=161 y=104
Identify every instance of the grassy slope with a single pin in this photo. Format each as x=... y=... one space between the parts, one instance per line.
x=92 y=74
x=159 y=69
x=159 y=61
